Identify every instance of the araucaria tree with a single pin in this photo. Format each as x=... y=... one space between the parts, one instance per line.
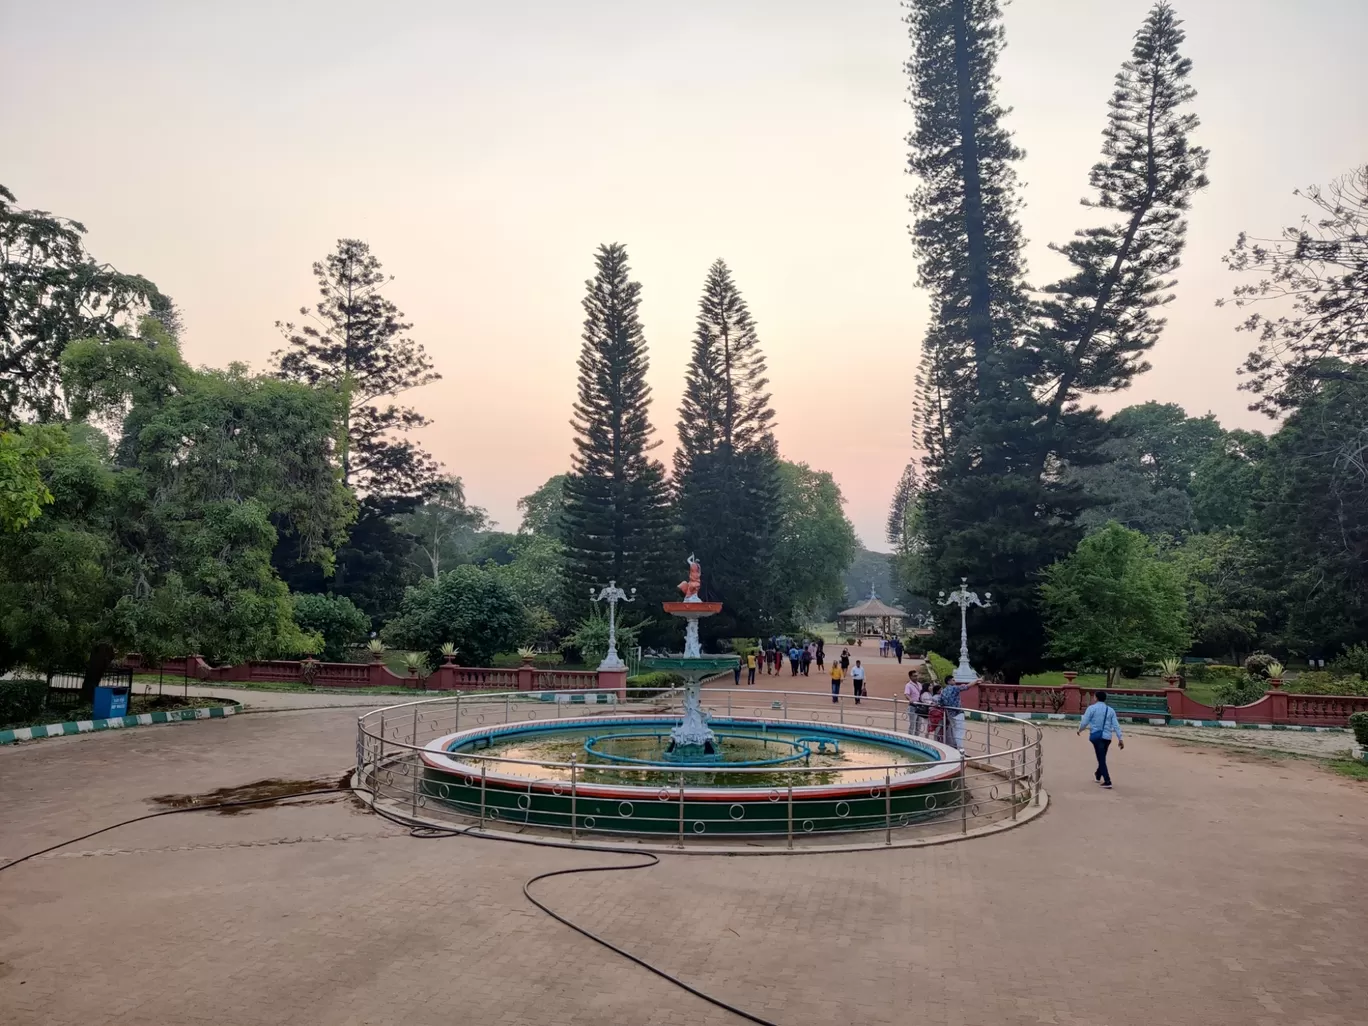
x=1002 y=378
x=727 y=464
x=357 y=342
x=617 y=523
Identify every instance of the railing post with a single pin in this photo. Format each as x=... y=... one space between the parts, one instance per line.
x=681 y=810
x=729 y=708
x=893 y=709
x=458 y=710
x=1035 y=789
x=574 y=801
x=507 y=699
x=888 y=807
x=484 y=772
x=381 y=755
x=790 y=814
x=964 y=794
x=417 y=764
x=1011 y=775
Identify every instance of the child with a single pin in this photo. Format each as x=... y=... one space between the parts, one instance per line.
x=937 y=718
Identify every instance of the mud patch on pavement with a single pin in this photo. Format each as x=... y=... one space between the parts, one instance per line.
x=261 y=794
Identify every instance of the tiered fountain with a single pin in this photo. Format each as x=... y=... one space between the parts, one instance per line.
x=644 y=773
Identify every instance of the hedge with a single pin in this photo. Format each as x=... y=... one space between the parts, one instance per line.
x=648 y=685
x=1358 y=723
x=21 y=701
x=943 y=668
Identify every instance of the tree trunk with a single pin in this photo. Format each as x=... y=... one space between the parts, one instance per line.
x=100 y=658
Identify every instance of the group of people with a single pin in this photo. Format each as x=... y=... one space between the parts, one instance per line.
x=934 y=710
x=891 y=647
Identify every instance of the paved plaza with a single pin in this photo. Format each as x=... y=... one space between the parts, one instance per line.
x=1209 y=887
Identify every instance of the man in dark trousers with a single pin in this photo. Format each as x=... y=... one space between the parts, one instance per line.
x=1102 y=725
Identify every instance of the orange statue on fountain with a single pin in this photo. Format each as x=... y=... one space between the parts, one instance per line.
x=690 y=587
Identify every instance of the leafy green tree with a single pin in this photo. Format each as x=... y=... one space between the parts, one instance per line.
x=816 y=540
x=334 y=621
x=53 y=292
x=1315 y=277
x=1112 y=601
x=1226 y=599
x=357 y=343
x=727 y=465
x=1225 y=480
x=617 y=519
x=1310 y=517
x=536 y=574
x=22 y=491
x=471 y=607
x=444 y=527
x=542 y=511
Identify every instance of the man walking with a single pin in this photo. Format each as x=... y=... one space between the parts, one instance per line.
x=836 y=674
x=857 y=681
x=954 y=715
x=793 y=659
x=1102 y=725
x=898 y=649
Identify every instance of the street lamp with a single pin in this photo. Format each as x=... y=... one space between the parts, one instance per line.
x=612 y=595
x=964 y=598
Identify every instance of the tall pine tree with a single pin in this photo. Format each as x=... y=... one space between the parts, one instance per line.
x=617 y=519
x=727 y=464
x=357 y=343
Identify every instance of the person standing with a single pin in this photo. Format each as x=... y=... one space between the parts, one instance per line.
x=750 y=667
x=793 y=659
x=836 y=674
x=898 y=649
x=736 y=671
x=1102 y=725
x=954 y=715
x=935 y=719
x=821 y=654
x=806 y=659
x=857 y=679
x=845 y=660
x=912 y=692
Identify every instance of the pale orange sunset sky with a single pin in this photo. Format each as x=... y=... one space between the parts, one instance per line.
x=485 y=149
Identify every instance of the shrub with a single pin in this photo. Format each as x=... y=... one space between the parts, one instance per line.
x=1215 y=672
x=470 y=607
x=1352 y=662
x=1358 y=723
x=335 y=620
x=1240 y=691
x=21 y=701
x=591 y=638
x=1257 y=665
x=648 y=685
x=1323 y=682
x=943 y=668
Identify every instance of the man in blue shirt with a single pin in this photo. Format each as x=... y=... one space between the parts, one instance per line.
x=1102 y=725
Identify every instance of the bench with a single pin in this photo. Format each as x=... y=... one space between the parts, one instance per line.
x=1152 y=706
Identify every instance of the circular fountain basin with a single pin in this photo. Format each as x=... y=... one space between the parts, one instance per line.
x=822 y=777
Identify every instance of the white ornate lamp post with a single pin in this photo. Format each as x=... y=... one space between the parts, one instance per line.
x=612 y=595
x=964 y=598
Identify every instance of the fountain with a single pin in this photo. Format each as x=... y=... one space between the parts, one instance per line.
x=648 y=773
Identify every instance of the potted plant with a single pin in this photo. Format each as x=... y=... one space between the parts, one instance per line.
x=414 y=662
x=1069 y=676
x=376 y=648
x=528 y=654
x=448 y=651
x=1275 y=672
x=1169 y=669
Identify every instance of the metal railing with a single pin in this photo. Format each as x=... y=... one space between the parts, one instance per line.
x=995 y=777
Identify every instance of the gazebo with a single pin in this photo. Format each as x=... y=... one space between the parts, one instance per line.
x=871 y=614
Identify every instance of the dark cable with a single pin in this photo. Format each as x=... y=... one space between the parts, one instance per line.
x=655 y=861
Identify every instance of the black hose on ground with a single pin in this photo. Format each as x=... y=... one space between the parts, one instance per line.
x=435 y=832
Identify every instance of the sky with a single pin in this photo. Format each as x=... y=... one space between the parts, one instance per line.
x=485 y=150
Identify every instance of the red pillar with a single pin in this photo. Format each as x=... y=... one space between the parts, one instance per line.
x=614 y=680
x=525 y=677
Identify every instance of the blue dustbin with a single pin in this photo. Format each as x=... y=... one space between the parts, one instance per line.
x=110 y=701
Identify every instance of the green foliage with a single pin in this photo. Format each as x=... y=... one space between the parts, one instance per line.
x=1353 y=661
x=726 y=467
x=1258 y=664
x=444 y=527
x=617 y=518
x=334 y=620
x=648 y=685
x=1226 y=598
x=1243 y=690
x=1225 y=481
x=590 y=638
x=1358 y=723
x=1211 y=672
x=1322 y=682
x=816 y=540
x=53 y=292
x=468 y=606
x=23 y=494
x=536 y=574
x=21 y=701
x=1114 y=601
x=943 y=667
x=543 y=509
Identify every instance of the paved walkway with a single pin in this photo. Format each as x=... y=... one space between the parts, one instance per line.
x=1206 y=888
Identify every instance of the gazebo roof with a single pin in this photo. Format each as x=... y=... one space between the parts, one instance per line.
x=871 y=607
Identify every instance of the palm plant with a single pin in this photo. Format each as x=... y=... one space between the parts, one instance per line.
x=1169 y=667
x=415 y=662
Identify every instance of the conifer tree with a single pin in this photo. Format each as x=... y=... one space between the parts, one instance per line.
x=617 y=518
x=727 y=464
x=357 y=343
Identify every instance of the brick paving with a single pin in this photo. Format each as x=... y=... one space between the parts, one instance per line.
x=1207 y=888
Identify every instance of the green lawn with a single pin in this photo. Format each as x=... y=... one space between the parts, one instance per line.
x=1350 y=768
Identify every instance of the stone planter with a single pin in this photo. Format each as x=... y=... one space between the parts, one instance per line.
x=1069 y=676
x=1275 y=683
